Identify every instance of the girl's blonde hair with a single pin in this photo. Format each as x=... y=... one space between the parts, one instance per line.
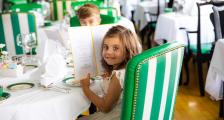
x=87 y=10
x=130 y=42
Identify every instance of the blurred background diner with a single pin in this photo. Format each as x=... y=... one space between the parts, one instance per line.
x=37 y=58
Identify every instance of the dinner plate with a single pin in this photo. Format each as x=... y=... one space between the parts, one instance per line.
x=70 y=82
x=4 y=96
x=20 y=86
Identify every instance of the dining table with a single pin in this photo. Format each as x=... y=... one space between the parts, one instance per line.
x=59 y=102
x=175 y=21
x=215 y=75
x=144 y=10
x=214 y=85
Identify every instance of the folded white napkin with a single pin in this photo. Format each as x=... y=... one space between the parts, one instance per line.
x=54 y=70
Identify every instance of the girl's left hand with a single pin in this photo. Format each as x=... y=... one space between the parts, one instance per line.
x=86 y=81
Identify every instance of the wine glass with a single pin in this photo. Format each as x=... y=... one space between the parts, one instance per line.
x=19 y=39
x=30 y=42
x=27 y=42
x=19 y=42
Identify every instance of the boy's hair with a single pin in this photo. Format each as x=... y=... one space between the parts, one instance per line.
x=87 y=10
x=130 y=42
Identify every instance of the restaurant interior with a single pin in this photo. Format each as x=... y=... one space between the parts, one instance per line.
x=45 y=51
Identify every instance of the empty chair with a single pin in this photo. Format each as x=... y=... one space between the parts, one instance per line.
x=59 y=9
x=12 y=24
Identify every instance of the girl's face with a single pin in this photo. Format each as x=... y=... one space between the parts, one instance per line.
x=113 y=51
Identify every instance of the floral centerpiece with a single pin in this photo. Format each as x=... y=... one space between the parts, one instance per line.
x=8 y=67
x=2 y=53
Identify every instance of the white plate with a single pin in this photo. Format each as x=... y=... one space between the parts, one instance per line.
x=70 y=82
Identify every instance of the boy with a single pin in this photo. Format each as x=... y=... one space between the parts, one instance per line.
x=89 y=15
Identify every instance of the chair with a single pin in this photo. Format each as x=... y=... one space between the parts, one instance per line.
x=201 y=52
x=105 y=19
x=217 y=17
x=12 y=24
x=151 y=83
x=8 y=3
x=27 y=7
x=60 y=8
x=75 y=5
x=108 y=15
x=106 y=10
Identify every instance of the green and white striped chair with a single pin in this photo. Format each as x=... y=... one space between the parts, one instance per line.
x=151 y=83
x=27 y=7
x=60 y=8
x=12 y=24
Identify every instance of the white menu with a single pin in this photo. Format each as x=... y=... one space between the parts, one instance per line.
x=86 y=49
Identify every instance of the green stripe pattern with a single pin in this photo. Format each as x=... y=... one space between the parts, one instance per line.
x=151 y=83
x=59 y=9
x=12 y=24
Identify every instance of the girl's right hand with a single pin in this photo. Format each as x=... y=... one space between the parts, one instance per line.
x=105 y=75
x=85 y=82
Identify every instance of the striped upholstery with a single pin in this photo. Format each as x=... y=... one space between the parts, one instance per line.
x=105 y=10
x=151 y=83
x=15 y=2
x=27 y=7
x=109 y=11
x=59 y=8
x=12 y=24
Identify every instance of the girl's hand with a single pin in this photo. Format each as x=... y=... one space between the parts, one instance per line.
x=105 y=74
x=85 y=82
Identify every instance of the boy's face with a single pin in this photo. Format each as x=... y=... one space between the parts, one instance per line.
x=93 y=20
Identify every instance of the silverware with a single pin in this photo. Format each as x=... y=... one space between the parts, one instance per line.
x=57 y=88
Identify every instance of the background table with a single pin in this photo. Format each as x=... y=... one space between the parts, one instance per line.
x=168 y=28
x=215 y=74
x=141 y=18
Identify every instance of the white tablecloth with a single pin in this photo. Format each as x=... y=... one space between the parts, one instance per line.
x=215 y=74
x=146 y=6
x=168 y=28
x=128 y=6
x=40 y=104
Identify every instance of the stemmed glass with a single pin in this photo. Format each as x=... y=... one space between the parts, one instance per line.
x=31 y=43
x=19 y=42
x=27 y=42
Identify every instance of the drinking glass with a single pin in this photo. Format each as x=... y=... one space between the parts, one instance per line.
x=30 y=42
x=27 y=42
x=19 y=42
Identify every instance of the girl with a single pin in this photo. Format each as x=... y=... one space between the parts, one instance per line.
x=119 y=45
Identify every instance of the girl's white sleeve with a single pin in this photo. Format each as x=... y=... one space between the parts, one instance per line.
x=120 y=74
